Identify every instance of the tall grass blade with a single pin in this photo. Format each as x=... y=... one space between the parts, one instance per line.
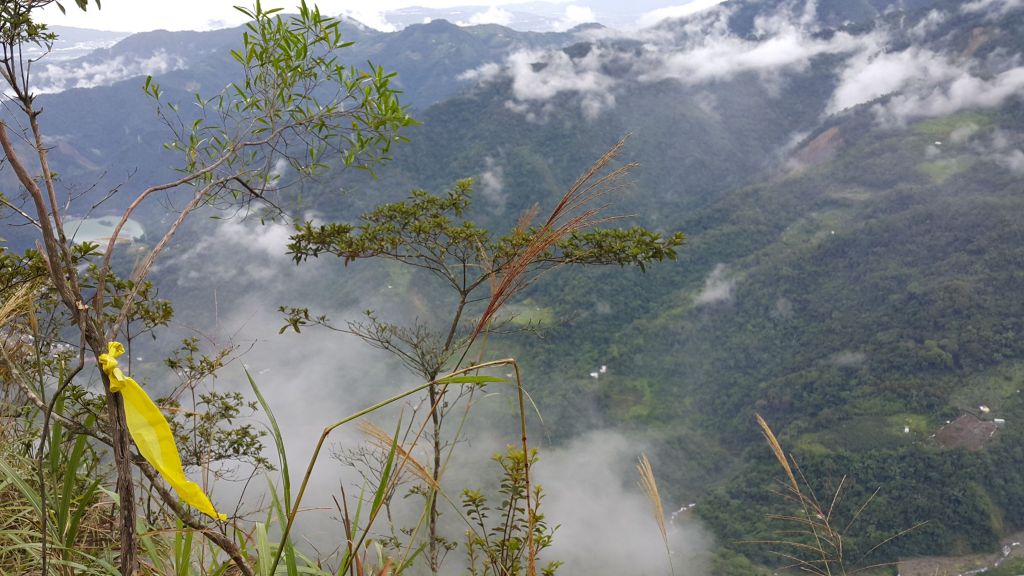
x=28 y=492
x=282 y=517
x=348 y=558
x=385 y=477
x=263 y=549
x=86 y=499
x=153 y=552
x=182 y=550
x=53 y=458
x=68 y=521
x=282 y=455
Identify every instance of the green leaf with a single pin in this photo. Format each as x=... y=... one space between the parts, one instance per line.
x=278 y=440
x=266 y=557
x=385 y=477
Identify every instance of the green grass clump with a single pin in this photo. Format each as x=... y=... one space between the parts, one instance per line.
x=528 y=313
x=867 y=432
x=942 y=170
x=996 y=388
x=944 y=126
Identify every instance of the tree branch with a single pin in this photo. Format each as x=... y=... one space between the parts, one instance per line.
x=172 y=502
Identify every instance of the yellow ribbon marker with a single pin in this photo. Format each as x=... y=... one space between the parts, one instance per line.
x=152 y=433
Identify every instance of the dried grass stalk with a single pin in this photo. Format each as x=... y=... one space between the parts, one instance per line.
x=649 y=485
x=777 y=450
x=16 y=304
x=568 y=216
x=385 y=441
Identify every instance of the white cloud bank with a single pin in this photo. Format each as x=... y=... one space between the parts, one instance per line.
x=1000 y=147
x=677 y=11
x=992 y=8
x=874 y=73
x=605 y=522
x=700 y=49
x=492 y=15
x=576 y=15
x=719 y=286
x=728 y=56
x=697 y=50
x=538 y=76
x=60 y=76
x=491 y=184
x=964 y=91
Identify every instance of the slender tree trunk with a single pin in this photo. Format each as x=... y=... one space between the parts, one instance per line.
x=435 y=415
x=434 y=549
x=65 y=282
x=118 y=430
x=125 y=485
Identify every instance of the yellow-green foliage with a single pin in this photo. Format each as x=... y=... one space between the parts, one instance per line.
x=993 y=388
x=860 y=432
x=941 y=170
x=530 y=313
x=944 y=126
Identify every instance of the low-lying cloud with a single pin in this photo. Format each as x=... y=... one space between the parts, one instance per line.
x=694 y=51
x=992 y=8
x=576 y=15
x=492 y=185
x=493 y=15
x=875 y=73
x=719 y=286
x=262 y=249
x=848 y=359
x=676 y=11
x=606 y=525
x=785 y=40
x=964 y=92
x=368 y=16
x=915 y=78
x=999 y=147
x=731 y=56
x=1012 y=160
x=540 y=76
x=60 y=76
x=310 y=380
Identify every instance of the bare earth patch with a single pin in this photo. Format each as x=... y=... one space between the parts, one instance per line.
x=967 y=431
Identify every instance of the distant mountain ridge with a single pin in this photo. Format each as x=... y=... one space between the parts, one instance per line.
x=73 y=43
x=99 y=143
x=427 y=57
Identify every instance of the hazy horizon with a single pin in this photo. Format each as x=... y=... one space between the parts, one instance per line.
x=145 y=15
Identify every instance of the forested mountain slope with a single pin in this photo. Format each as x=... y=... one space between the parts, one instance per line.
x=853 y=207
x=105 y=135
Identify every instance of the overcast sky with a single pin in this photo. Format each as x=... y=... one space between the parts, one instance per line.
x=142 y=15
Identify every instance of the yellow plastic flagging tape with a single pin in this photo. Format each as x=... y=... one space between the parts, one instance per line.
x=152 y=433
